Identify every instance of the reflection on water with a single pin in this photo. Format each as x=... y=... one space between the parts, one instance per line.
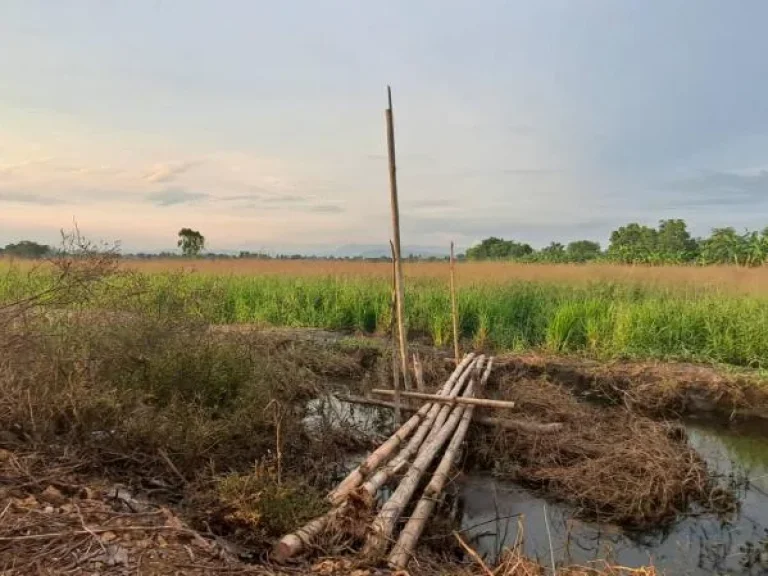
x=701 y=544
x=328 y=412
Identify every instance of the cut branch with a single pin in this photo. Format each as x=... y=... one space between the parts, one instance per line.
x=484 y=402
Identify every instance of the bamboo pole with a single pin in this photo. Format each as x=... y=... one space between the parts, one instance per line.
x=386 y=449
x=410 y=535
x=446 y=409
x=384 y=524
x=454 y=310
x=395 y=366
x=503 y=423
x=485 y=402
x=291 y=544
x=418 y=372
x=396 y=241
x=432 y=422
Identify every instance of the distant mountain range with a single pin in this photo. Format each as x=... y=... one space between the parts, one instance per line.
x=383 y=251
x=344 y=251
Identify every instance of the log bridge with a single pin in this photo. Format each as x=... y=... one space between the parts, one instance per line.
x=437 y=428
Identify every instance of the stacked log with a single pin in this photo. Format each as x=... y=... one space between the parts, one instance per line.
x=384 y=523
x=403 y=549
x=411 y=450
x=292 y=544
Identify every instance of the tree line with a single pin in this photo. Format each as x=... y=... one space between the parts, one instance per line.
x=669 y=243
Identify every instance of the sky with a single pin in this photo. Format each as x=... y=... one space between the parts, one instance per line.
x=261 y=124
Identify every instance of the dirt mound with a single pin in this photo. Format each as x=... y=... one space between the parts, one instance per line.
x=610 y=463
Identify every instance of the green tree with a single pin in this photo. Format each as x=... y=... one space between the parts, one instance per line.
x=191 y=242
x=675 y=243
x=27 y=249
x=498 y=249
x=635 y=244
x=724 y=246
x=555 y=252
x=582 y=251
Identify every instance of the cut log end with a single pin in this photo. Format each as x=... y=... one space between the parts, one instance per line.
x=287 y=547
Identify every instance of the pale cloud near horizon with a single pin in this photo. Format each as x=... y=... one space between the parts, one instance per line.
x=168 y=171
x=550 y=121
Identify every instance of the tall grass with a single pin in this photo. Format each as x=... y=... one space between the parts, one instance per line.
x=601 y=318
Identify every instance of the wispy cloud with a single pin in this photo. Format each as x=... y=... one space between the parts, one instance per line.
x=175 y=196
x=30 y=198
x=531 y=171
x=325 y=209
x=14 y=167
x=168 y=171
x=719 y=189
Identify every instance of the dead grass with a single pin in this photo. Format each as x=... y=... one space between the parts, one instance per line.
x=730 y=278
x=611 y=464
x=654 y=388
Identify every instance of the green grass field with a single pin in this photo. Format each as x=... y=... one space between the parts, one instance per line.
x=603 y=319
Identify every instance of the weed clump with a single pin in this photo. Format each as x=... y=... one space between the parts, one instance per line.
x=256 y=507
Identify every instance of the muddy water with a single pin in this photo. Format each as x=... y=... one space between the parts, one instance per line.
x=492 y=511
x=697 y=544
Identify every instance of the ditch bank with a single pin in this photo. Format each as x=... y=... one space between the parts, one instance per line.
x=231 y=433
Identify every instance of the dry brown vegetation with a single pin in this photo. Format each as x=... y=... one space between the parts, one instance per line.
x=732 y=278
x=610 y=463
x=195 y=418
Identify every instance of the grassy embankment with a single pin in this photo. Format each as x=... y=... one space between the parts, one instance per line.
x=708 y=314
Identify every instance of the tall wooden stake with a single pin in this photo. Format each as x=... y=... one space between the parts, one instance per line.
x=454 y=311
x=396 y=242
x=393 y=330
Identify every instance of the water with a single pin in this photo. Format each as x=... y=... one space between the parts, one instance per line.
x=696 y=545
x=328 y=412
x=492 y=511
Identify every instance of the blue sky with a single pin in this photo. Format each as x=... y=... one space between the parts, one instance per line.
x=261 y=123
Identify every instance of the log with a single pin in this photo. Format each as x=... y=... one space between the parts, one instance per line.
x=484 y=402
x=486 y=375
x=384 y=524
x=432 y=422
x=445 y=410
x=399 y=281
x=406 y=543
x=504 y=423
x=418 y=371
x=355 y=478
x=395 y=362
x=454 y=309
x=292 y=544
